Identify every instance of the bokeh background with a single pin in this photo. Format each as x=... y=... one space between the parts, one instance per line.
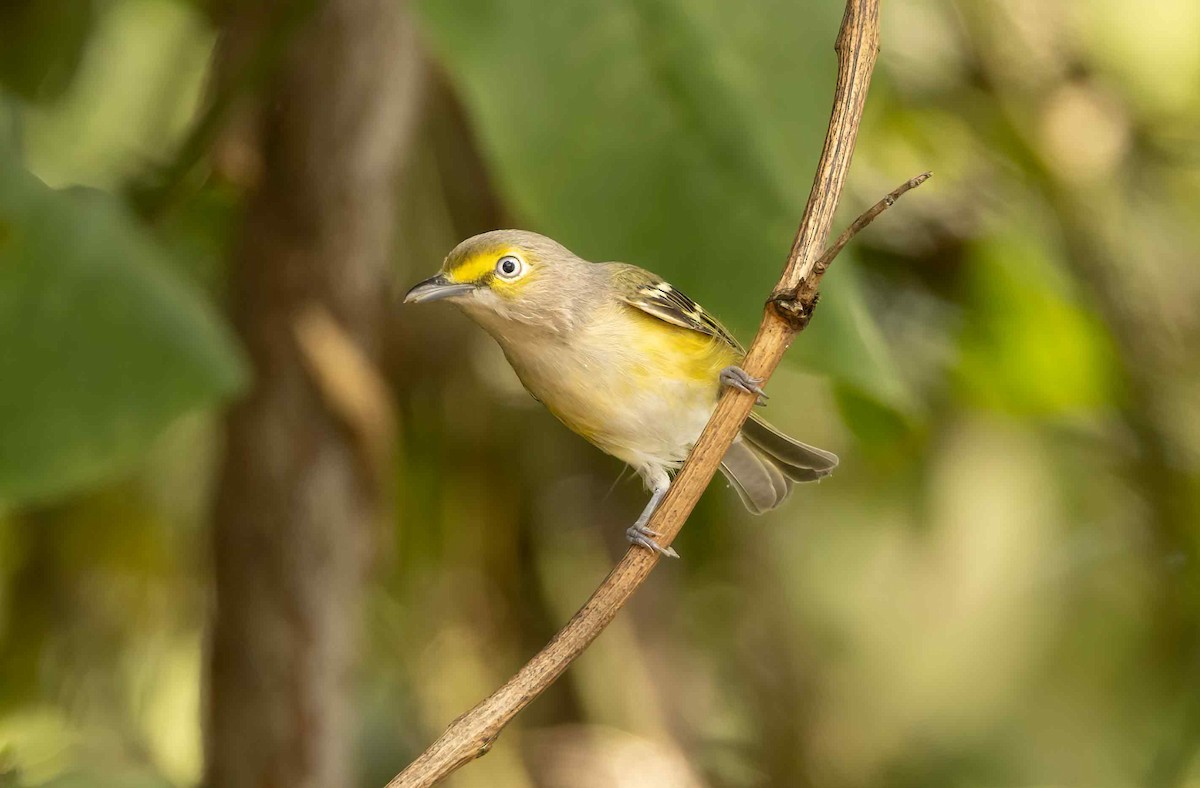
x=999 y=586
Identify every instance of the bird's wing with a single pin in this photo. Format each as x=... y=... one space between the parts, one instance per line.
x=651 y=294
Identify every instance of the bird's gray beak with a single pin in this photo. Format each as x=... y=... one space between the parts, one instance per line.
x=436 y=288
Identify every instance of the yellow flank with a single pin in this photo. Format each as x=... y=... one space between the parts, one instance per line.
x=646 y=382
x=674 y=351
x=639 y=388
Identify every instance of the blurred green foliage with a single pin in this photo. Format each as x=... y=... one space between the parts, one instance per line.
x=1028 y=346
x=694 y=161
x=44 y=43
x=108 y=347
x=999 y=585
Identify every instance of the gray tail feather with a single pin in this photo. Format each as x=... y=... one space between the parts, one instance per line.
x=763 y=463
x=759 y=482
x=801 y=462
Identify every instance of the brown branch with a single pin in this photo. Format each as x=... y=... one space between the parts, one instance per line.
x=867 y=216
x=473 y=734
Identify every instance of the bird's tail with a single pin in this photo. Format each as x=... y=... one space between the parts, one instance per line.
x=763 y=463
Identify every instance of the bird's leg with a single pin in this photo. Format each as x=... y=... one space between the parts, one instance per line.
x=738 y=378
x=639 y=534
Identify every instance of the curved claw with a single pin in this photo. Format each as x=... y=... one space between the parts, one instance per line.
x=736 y=377
x=644 y=537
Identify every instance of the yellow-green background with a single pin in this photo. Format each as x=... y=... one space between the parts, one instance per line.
x=997 y=588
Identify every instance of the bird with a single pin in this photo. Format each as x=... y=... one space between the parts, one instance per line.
x=622 y=358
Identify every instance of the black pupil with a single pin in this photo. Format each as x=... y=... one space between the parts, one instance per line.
x=508 y=266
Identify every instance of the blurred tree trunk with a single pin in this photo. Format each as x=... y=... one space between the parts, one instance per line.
x=297 y=497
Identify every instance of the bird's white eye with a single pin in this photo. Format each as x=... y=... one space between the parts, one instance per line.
x=510 y=267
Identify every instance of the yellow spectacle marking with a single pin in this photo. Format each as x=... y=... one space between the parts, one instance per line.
x=475 y=267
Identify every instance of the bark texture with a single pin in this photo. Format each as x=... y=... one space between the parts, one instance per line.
x=298 y=499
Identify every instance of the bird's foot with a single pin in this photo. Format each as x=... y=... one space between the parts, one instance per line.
x=639 y=534
x=738 y=378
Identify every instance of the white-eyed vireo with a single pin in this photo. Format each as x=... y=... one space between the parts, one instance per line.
x=622 y=358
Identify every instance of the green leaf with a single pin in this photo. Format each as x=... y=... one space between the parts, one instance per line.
x=673 y=134
x=44 y=41
x=100 y=347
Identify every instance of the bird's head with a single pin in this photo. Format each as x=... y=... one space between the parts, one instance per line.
x=509 y=276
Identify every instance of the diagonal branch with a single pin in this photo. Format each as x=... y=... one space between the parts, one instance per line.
x=868 y=216
x=473 y=734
